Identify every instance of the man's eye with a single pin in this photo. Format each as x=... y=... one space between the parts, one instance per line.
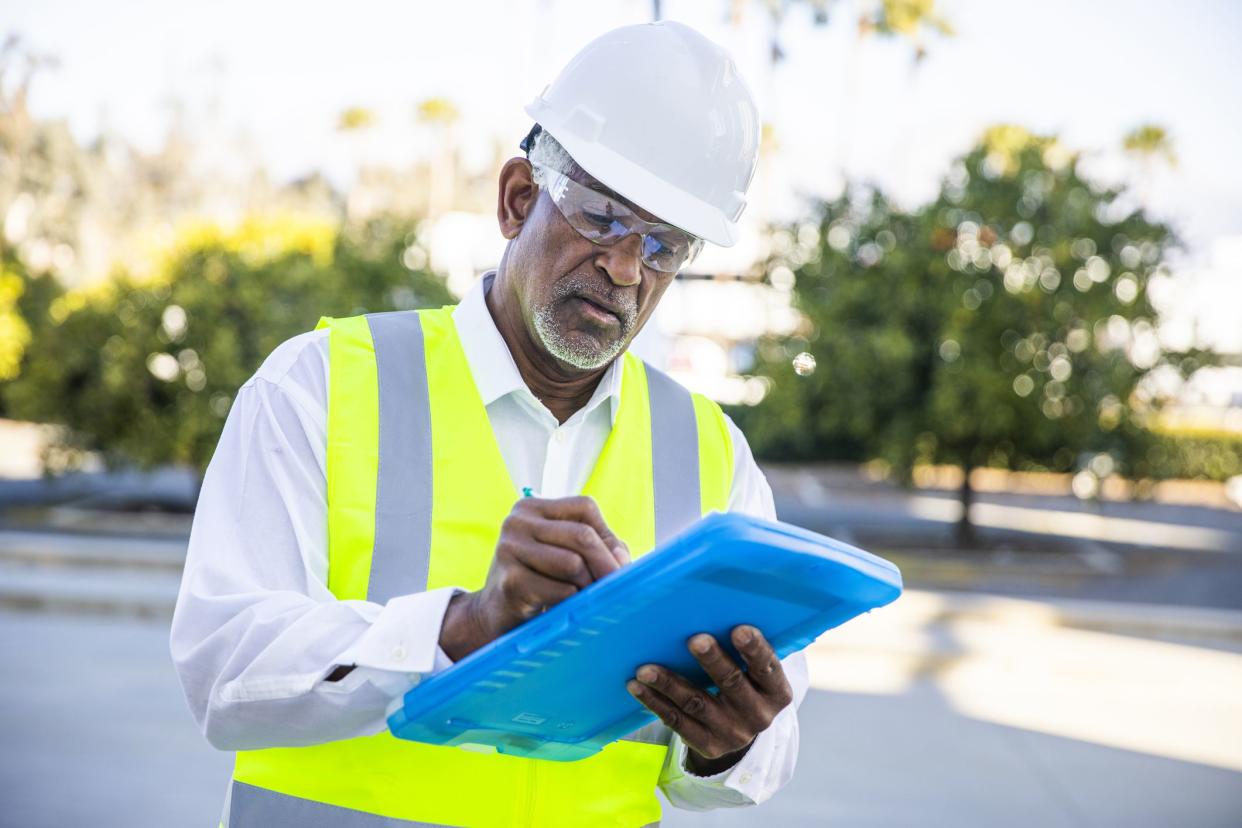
x=602 y=221
x=669 y=243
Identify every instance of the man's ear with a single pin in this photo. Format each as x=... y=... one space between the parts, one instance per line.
x=517 y=195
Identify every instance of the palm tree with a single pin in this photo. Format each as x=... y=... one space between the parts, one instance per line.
x=440 y=115
x=1150 y=145
x=355 y=118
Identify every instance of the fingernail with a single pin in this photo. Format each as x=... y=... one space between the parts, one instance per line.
x=634 y=687
x=744 y=635
x=647 y=674
x=701 y=644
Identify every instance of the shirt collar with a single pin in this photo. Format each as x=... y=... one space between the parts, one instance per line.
x=491 y=364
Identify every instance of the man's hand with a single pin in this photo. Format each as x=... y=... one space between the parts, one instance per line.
x=548 y=550
x=718 y=730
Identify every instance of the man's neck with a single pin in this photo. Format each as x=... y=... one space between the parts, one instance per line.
x=561 y=388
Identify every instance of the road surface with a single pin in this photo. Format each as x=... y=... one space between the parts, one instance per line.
x=914 y=720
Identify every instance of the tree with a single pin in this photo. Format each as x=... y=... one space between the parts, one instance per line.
x=1150 y=146
x=1005 y=324
x=143 y=370
x=440 y=117
x=14 y=332
x=24 y=302
x=900 y=18
x=1150 y=142
x=355 y=118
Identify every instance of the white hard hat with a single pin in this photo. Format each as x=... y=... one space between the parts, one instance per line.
x=658 y=113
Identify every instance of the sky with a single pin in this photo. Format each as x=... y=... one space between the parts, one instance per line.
x=266 y=81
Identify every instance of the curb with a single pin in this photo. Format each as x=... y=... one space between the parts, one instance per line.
x=82 y=605
x=1119 y=617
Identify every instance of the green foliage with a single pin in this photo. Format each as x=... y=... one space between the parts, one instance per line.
x=1203 y=456
x=143 y=370
x=355 y=118
x=437 y=111
x=24 y=303
x=909 y=18
x=1006 y=324
x=867 y=329
x=14 y=332
x=1150 y=141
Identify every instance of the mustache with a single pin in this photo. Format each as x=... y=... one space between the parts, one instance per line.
x=623 y=304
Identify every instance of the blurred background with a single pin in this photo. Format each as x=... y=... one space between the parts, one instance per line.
x=985 y=319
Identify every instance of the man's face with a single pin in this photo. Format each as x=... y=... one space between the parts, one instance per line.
x=583 y=301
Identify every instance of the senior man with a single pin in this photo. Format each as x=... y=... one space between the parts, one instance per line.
x=361 y=526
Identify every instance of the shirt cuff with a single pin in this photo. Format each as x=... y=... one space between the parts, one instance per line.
x=759 y=774
x=401 y=646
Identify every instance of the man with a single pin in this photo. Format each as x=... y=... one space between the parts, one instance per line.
x=360 y=525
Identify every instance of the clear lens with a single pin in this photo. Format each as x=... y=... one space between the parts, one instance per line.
x=605 y=220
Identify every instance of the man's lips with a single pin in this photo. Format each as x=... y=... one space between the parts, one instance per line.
x=600 y=302
x=599 y=308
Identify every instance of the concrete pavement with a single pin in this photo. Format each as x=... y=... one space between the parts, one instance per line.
x=929 y=712
x=952 y=707
x=96 y=731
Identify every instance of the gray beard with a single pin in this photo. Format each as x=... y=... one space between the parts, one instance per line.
x=584 y=355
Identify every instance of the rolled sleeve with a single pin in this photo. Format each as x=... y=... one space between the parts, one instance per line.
x=257 y=637
x=765 y=768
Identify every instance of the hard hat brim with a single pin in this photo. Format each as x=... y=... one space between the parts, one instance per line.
x=668 y=203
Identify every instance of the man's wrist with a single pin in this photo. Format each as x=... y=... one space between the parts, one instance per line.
x=700 y=765
x=462 y=631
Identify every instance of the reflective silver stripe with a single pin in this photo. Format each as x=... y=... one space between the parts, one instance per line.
x=254 y=807
x=674 y=455
x=675 y=478
x=402 y=551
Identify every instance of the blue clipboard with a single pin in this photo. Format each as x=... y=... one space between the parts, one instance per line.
x=554 y=687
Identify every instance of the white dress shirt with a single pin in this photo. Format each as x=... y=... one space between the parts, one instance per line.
x=256 y=632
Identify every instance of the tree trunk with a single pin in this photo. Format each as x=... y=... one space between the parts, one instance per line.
x=965 y=529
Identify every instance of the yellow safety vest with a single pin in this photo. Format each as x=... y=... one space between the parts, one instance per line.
x=405 y=421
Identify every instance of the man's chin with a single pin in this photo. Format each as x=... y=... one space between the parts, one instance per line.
x=579 y=341
x=585 y=351
x=588 y=342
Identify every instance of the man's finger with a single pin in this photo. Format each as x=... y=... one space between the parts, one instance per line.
x=578 y=538
x=620 y=551
x=723 y=670
x=762 y=663
x=583 y=531
x=585 y=510
x=692 y=701
x=554 y=562
x=528 y=593
x=694 y=732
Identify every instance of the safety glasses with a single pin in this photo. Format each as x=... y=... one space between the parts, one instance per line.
x=603 y=219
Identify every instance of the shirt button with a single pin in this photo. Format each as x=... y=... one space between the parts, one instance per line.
x=745 y=777
x=559 y=436
x=398 y=652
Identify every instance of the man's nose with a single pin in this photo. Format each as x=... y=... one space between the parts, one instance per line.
x=623 y=261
